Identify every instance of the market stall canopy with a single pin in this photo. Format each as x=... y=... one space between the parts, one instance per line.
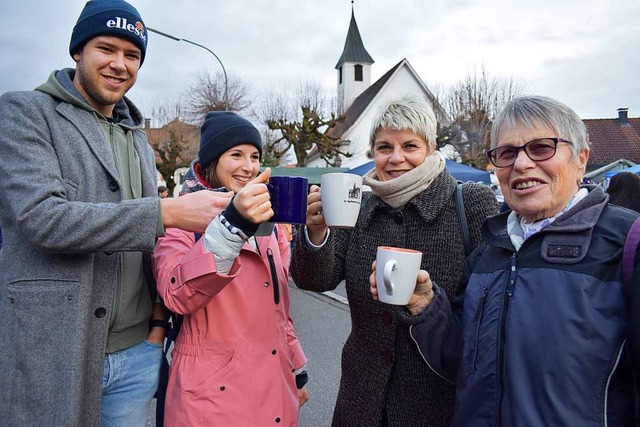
x=459 y=171
x=634 y=169
x=312 y=174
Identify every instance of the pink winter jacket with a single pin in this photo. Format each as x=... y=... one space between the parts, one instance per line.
x=234 y=361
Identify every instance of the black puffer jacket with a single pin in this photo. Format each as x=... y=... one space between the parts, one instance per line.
x=384 y=379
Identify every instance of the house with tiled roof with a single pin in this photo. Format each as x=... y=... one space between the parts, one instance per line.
x=185 y=136
x=360 y=100
x=613 y=139
x=178 y=142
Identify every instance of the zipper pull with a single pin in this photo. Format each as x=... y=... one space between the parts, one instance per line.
x=274 y=277
x=480 y=308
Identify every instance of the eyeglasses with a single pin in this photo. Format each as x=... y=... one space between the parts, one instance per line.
x=537 y=150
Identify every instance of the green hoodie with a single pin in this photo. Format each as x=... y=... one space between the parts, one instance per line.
x=129 y=324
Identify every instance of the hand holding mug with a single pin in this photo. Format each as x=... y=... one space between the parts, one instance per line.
x=422 y=295
x=316 y=225
x=253 y=201
x=397 y=279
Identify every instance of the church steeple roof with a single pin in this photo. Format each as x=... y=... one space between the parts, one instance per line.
x=354 y=50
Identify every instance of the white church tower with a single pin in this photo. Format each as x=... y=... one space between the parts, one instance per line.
x=354 y=67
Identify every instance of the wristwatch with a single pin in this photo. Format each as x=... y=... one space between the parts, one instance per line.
x=159 y=323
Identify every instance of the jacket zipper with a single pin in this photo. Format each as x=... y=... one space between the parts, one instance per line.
x=503 y=333
x=274 y=277
x=478 y=319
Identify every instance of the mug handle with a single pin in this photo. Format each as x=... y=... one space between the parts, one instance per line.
x=389 y=267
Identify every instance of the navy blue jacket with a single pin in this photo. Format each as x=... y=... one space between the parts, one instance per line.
x=545 y=336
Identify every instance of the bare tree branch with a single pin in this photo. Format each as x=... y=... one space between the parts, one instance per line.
x=207 y=94
x=174 y=142
x=472 y=104
x=301 y=124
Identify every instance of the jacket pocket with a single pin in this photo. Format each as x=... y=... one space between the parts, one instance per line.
x=477 y=319
x=42 y=311
x=198 y=370
x=42 y=333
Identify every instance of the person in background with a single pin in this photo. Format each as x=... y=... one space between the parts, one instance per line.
x=82 y=333
x=624 y=190
x=287 y=229
x=543 y=331
x=237 y=360
x=385 y=381
x=163 y=192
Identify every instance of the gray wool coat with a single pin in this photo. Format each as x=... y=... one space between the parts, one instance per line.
x=63 y=222
x=384 y=379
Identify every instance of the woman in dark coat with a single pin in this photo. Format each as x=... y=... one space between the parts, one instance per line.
x=546 y=329
x=385 y=381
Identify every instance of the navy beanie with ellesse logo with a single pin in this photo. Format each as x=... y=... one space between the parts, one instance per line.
x=109 y=18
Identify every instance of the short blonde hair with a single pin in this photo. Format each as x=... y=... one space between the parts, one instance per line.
x=407 y=113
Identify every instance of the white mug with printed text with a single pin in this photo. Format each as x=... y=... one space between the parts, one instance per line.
x=396 y=274
x=341 y=197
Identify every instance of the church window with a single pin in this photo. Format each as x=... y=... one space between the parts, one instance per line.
x=358 y=72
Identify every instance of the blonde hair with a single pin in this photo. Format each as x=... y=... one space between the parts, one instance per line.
x=406 y=113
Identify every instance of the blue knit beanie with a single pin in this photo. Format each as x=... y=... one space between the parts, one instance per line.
x=109 y=18
x=223 y=130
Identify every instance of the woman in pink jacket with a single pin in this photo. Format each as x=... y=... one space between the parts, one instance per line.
x=237 y=360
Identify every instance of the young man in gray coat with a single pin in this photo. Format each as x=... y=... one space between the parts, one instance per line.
x=78 y=211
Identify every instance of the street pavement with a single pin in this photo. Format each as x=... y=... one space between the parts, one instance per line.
x=322 y=324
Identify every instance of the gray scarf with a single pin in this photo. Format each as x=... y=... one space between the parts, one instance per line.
x=398 y=191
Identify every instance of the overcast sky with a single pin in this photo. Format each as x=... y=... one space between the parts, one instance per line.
x=585 y=53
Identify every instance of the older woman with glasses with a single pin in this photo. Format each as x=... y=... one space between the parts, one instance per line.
x=544 y=330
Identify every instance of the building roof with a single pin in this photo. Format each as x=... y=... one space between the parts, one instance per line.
x=177 y=132
x=155 y=134
x=354 y=50
x=613 y=139
x=362 y=102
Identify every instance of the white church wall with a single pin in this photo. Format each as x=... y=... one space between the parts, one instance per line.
x=350 y=89
x=403 y=82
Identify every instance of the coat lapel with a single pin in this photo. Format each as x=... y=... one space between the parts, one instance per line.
x=148 y=174
x=85 y=122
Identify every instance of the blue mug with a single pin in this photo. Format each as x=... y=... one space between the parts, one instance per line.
x=288 y=199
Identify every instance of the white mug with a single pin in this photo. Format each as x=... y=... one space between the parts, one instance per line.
x=341 y=197
x=396 y=274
